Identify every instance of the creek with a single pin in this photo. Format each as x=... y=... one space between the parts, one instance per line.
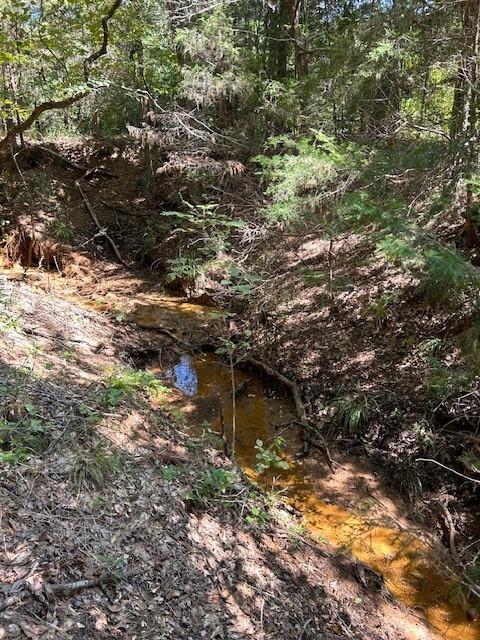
x=365 y=524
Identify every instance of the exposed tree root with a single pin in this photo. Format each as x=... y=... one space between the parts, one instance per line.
x=296 y=395
x=451 y=531
x=29 y=246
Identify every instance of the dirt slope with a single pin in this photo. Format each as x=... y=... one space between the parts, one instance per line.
x=100 y=539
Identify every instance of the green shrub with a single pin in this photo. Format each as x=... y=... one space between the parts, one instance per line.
x=444 y=273
x=257 y=517
x=442 y=380
x=121 y=383
x=301 y=176
x=381 y=309
x=212 y=483
x=24 y=435
x=268 y=457
x=352 y=412
x=447 y=274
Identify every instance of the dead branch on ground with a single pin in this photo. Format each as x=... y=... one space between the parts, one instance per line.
x=102 y=230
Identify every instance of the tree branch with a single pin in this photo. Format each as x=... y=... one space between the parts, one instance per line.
x=87 y=63
x=51 y=105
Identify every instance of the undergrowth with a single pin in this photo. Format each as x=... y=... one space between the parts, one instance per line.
x=352 y=412
x=123 y=383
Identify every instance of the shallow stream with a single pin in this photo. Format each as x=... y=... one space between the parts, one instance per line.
x=367 y=528
x=350 y=508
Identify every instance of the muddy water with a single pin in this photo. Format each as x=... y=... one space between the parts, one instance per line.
x=408 y=564
x=405 y=558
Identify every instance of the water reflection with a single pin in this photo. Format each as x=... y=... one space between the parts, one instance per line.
x=184 y=376
x=410 y=568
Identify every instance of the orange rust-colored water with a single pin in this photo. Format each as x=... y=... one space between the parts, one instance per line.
x=409 y=565
x=407 y=561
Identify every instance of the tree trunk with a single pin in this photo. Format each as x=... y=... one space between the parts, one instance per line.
x=464 y=119
x=277 y=17
x=301 y=55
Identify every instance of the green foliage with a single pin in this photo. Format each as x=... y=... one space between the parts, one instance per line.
x=352 y=412
x=257 y=517
x=93 y=467
x=187 y=268
x=431 y=346
x=280 y=105
x=357 y=209
x=121 y=383
x=240 y=283
x=381 y=309
x=471 y=461
x=445 y=273
x=213 y=74
x=213 y=483
x=470 y=346
x=234 y=349
x=269 y=457
x=442 y=380
x=300 y=174
x=424 y=434
x=112 y=567
x=24 y=434
x=170 y=472
x=8 y=322
x=62 y=231
x=207 y=234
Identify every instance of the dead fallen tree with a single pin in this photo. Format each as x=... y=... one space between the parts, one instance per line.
x=101 y=230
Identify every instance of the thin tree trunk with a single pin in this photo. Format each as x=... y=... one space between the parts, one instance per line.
x=301 y=56
x=464 y=119
x=279 y=44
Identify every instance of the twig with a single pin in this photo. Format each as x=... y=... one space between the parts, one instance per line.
x=102 y=230
x=222 y=425
x=294 y=390
x=457 y=473
x=234 y=412
x=67 y=587
x=62 y=587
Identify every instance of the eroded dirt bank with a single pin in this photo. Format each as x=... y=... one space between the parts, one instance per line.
x=119 y=448
x=111 y=525
x=339 y=349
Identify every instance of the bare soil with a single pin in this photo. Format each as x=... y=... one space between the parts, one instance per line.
x=158 y=567
x=74 y=326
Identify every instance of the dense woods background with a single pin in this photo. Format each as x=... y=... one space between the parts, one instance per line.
x=251 y=129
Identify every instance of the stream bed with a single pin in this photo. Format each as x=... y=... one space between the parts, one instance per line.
x=349 y=508
x=369 y=527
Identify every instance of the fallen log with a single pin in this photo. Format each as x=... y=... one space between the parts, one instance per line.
x=102 y=230
x=125 y=212
x=58 y=156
